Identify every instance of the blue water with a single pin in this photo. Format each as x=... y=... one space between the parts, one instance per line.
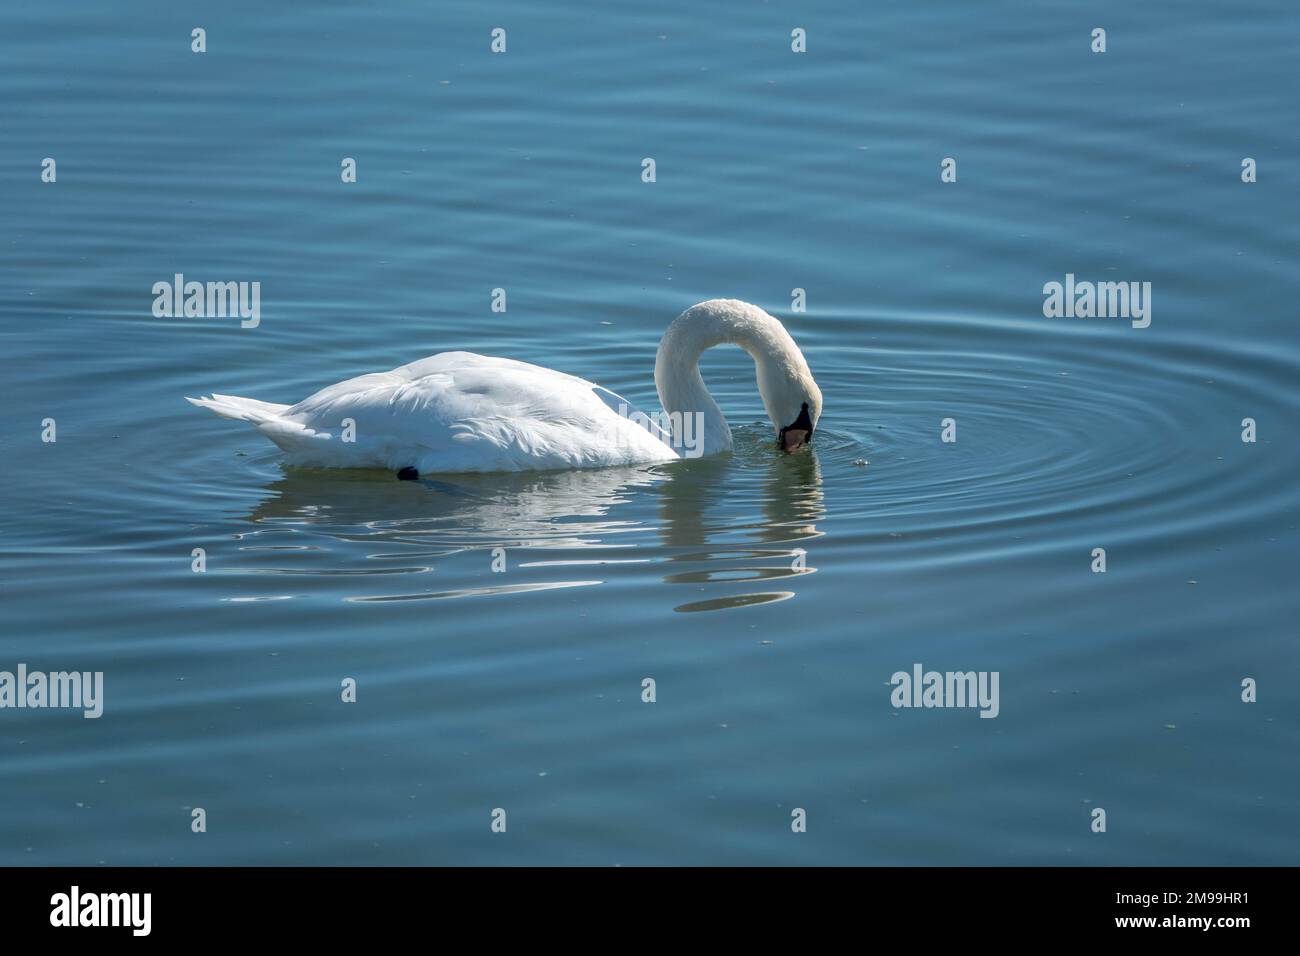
x=521 y=690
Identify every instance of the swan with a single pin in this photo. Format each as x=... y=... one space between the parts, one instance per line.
x=461 y=412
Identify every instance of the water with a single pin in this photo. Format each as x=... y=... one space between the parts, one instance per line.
x=521 y=690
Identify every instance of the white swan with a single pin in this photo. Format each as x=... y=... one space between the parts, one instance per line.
x=462 y=412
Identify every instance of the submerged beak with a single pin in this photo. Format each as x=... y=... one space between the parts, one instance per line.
x=792 y=438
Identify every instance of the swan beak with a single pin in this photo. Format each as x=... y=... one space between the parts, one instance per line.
x=792 y=438
x=798 y=432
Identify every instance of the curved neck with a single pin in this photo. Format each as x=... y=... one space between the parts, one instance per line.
x=682 y=391
x=694 y=418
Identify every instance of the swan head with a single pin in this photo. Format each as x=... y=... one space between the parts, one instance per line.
x=790 y=395
x=799 y=432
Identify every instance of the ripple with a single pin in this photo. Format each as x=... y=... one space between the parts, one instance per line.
x=475 y=592
x=1056 y=432
x=1064 y=439
x=734 y=601
x=735 y=574
x=326 y=572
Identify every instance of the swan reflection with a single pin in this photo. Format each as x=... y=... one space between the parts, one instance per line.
x=710 y=524
x=518 y=509
x=693 y=506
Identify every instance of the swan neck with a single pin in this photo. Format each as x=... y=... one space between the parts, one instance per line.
x=685 y=398
x=681 y=387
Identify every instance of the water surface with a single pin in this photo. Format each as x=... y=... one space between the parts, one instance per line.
x=770 y=597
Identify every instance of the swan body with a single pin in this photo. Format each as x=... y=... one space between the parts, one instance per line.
x=462 y=412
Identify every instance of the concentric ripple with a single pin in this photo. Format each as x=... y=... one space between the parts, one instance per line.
x=1059 y=432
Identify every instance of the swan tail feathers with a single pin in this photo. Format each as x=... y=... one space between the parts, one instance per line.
x=290 y=436
x=241 y=409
